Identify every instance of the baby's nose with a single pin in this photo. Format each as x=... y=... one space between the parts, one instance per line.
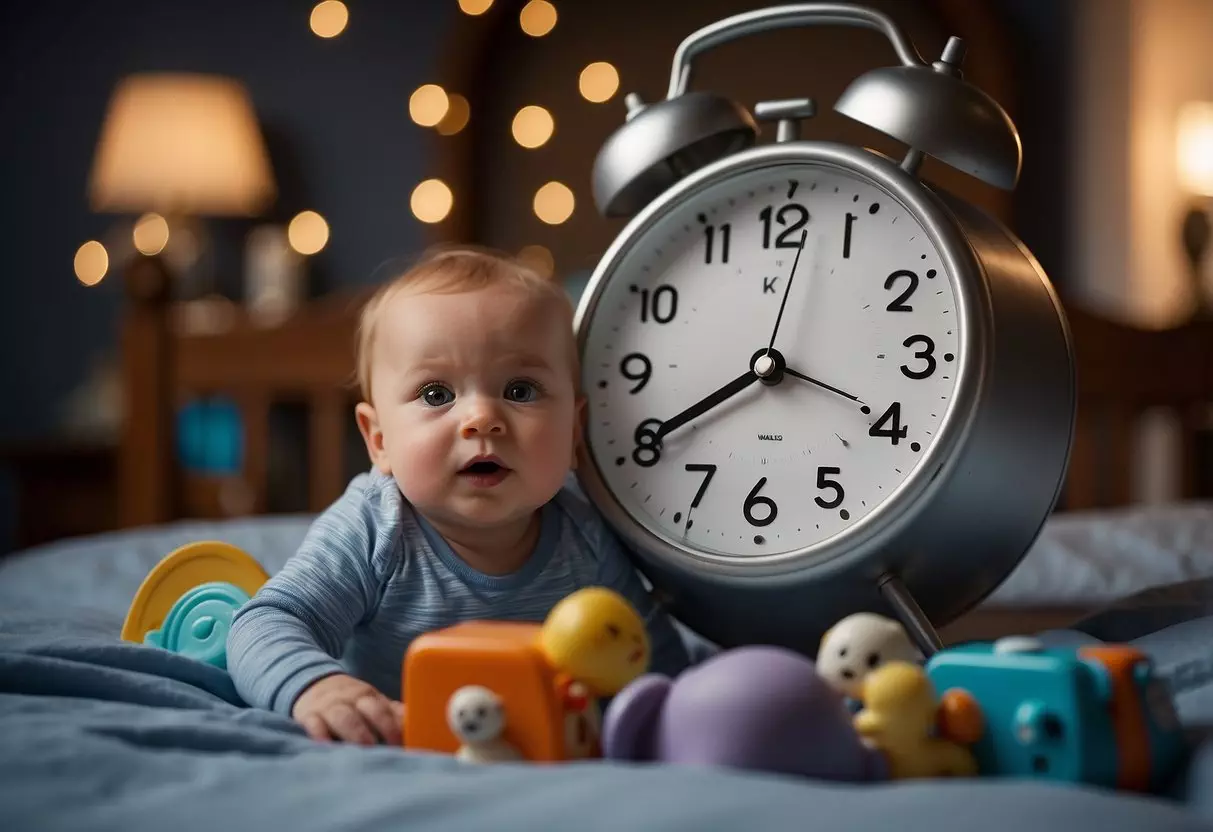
x=482 y=417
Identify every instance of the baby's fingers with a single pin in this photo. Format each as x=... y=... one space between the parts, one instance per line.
x=348 y=724
x=316 y=728
x=380 y=714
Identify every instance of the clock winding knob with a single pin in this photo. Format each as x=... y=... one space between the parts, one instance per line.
x=787 y=113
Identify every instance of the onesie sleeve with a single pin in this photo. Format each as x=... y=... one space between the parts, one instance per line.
x=295 y=628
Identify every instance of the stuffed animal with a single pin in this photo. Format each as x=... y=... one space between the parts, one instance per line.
x=476 y=716
x=857 y=645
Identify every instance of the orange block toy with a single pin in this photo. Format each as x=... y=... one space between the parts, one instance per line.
x=497 y=690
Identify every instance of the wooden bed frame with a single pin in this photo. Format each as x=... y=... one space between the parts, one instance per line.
x=1122 y=373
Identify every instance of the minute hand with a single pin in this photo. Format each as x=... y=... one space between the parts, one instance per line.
x=707 y=403
x=812 y=380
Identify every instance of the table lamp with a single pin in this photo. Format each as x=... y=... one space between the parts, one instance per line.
x=1195 y=166
x=183 y=146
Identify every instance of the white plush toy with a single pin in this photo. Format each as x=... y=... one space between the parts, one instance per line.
x=857 y=645
x=476 y=716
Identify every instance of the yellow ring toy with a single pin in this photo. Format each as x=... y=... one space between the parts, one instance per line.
x=187 y=601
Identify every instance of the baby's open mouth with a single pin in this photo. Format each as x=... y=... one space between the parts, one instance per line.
x=484 y=471
x=483 y=466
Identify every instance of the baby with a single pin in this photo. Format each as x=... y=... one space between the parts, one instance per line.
x=471 y=413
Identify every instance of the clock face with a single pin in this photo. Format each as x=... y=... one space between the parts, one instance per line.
x=723 y=442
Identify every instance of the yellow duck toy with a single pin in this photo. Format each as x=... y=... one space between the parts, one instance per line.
x=899 y=714
x=597 y=643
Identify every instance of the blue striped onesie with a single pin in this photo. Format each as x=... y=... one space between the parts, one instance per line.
x=372 y=575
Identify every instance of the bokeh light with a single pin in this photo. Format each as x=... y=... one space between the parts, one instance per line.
x=91 y=263
x=538 y=258
x=537 y=18
x=475 y=7
x=431 y=201
x=151 y=234
x=308 y=232
x=329 y=18
x=457 y=114
x=428 y=104
x=598 y=82
x=554 y=203
x=532 y=126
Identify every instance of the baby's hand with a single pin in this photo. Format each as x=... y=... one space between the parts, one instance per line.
x=341 y=707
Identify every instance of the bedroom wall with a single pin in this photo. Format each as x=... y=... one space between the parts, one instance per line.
x=1136 y=62
x=335 y=113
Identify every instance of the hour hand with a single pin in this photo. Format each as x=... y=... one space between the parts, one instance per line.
x=821 y=384
x=707 y=403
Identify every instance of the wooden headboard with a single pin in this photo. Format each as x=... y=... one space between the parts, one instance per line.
x=1123 y=373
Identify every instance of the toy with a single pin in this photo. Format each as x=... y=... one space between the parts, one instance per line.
x=186 y=603
x=1095 y=714
x=857 y=645
x=760 y=708
x=477 y=717
x=596 y=637
x=547 y=677
x=899 y=718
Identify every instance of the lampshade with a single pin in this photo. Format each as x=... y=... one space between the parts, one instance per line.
x=181 y=144
x=1195 y=147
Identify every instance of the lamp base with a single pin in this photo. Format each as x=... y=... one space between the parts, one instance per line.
x=1196 y=233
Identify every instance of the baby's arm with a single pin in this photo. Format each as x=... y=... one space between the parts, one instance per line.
x=291 y=633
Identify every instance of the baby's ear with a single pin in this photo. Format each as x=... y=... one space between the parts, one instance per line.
x=368 y=426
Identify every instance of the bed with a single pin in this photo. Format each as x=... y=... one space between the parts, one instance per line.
x=98 y=734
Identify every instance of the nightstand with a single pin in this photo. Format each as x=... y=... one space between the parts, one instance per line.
x=64 y=488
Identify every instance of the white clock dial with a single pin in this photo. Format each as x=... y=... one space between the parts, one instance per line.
x=691 y=307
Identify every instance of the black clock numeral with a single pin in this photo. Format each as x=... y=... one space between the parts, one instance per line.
x=927 y=353
x=709 y=471
x=709 y=238
x=642 y=377
x=753 y=499
x=824 y=483
x=899 y=304
x=895 y=431
x=788 y=238
x=647 y=452
x=661 y=304
x=846 y=236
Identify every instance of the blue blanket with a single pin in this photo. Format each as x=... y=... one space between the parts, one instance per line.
x=96 y=734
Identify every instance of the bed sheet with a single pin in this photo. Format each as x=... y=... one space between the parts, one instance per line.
x=99 y=735
x=1081 y=559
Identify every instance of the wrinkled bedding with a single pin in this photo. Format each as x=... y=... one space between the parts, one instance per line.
x=97 y=734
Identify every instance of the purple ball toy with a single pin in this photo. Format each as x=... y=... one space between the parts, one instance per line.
x=761 y=708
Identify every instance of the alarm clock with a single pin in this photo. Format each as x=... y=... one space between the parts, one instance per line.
x=815 y=384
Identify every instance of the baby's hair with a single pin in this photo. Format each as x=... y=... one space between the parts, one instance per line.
x=452 y=269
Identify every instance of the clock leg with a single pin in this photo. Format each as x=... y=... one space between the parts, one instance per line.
x=917 y=625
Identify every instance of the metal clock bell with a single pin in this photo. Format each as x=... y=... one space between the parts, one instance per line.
x=817 y=385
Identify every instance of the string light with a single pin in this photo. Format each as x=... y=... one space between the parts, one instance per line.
x=554 y=203
x=431 y=201
x=538 y=258
x=428 y=105
x=537 y=18
x=308 y=232
x=458 y=112
x=475 y=7
x=532 y=126
x=91 y=263
x=329 y=18
x=598 y=82
x=150 y=234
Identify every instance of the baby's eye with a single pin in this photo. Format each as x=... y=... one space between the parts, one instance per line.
x=521 y=391
x=437 y=395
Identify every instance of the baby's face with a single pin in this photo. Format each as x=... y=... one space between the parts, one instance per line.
x=475 y=397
